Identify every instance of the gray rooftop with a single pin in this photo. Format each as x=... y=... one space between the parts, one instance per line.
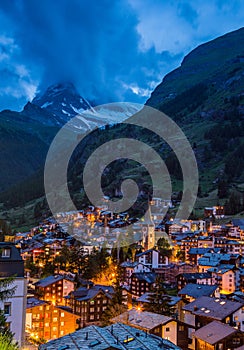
x=195 y=275
x=49 y=280
x=197 y=290
x=117 y=336
x=148 y=277
x=143 y=319
x=214 y=308
x=85 y=294
x=214 y=332
x=214 y=259
x=33 y=302
x=144 y=298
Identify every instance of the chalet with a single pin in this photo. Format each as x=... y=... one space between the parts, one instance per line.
x=129 y=268
x=175 y=228
x=54 y=288
x=152 y=259
x=227 y=277
x=217 y=335
x=217 y=211
x=194 y=254
x=46 y=321
x=238 y=228
x=209 y=260
x=193 y=291
x=89 y=303
x=205 y=310
x=197 y=278
x=141 y=283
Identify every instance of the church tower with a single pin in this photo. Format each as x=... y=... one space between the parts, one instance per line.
x=148 y=231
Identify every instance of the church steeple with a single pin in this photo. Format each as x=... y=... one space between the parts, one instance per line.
x=148 y=230
x=148 y=217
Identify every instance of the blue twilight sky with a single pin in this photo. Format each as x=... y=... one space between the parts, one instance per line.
x=111 y=50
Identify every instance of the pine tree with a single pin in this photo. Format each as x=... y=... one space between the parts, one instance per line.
x=117 y=305
x=6 y=336
x=5 y=290
x=158 y=300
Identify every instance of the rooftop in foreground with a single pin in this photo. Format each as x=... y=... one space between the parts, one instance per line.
x=117 y=336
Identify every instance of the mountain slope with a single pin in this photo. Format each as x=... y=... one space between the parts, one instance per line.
x=27 y=135
x=217 y=64
x=205 y=97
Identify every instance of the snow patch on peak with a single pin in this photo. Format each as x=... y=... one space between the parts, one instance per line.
x=46 y=104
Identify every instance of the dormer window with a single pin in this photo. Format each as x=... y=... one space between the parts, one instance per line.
x=6 y=252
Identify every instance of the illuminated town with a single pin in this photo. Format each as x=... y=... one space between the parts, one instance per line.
x=174 y=280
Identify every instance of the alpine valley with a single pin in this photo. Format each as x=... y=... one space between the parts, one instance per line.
x=204 y=96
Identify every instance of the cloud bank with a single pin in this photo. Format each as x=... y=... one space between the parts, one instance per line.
x=111 y=50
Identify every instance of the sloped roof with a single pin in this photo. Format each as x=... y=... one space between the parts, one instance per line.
x=33 y=302
x=238 y=222
x=147 y=251
x=143 y=319
x=144 y=298
x=197 y=290
x=214 y=308
x=84 y=294
x=195 y=275
x=49 y=280
x=214 y=332
x=148 y=277
x=14 y=252
x=116 y=336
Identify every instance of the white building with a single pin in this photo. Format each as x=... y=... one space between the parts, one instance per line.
x=12 y=264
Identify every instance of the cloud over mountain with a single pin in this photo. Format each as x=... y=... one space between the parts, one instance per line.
x=112 y=51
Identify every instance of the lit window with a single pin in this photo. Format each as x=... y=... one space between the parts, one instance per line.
x=62 y=314
x=47 y=324
x=54 y=329
x=62 y=323
x=55 y=319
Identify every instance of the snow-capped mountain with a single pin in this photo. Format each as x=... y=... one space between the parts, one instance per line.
x=62 y=102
